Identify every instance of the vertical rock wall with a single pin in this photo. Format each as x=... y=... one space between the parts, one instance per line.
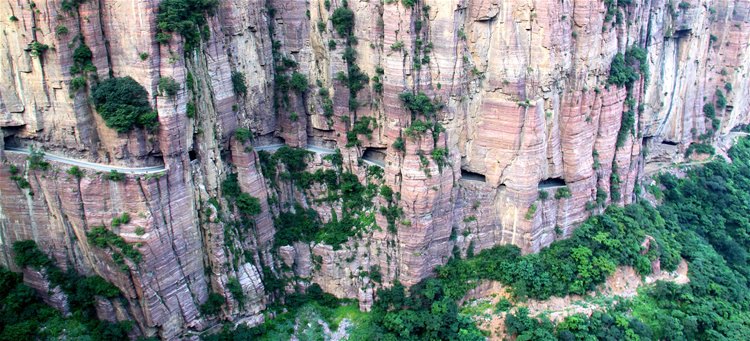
x=526 y=109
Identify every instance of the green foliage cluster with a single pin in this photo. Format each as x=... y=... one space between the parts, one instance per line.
x=343 y=21
x=168 y=86
x=327 y=104
x=27 y=254
x=293 y=160
x=428 y=312
x=114 y=175
x=298 y=82
x=36 y=160
x=82 y=60
x=235 y=288
x=572 y=266
x=392 y=212
x=399 y=144
x=75 y=172
x=377 y=80
x=710 y=112
x=213 y=304
x=122 y=219
x=246 y=204
x=37 y=49
x=300 y=224
x=361 y=126
x=82 y=64
x=23 y=316
x=440 y=155
x=123 y=104
x=721 y=101
x=615 y=10
x=298 y=318
x=61 y=30
x=420 y=104
x=702 y=215
x=626 y=69
x=18 y=178
x=71 y=5
x=101 y=237
x=563 y=193
x=238 y=83
x=186 y=17
x=700 y=148
x=243 y=135
x=355 y=79
x=284 y=82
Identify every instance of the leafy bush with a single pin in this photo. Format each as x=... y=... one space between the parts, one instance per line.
x=343 y=21
x=721 y=101
x=298 y=82
x=121 y=219
x=77 y=83
x=248 y=204
x=61 y=30
x=700 y=148
x=75 y=172
x=168 y=86
x=238 y=83
x=123 y=104
x=36 y=160
x=299 y=225
x=419 y=104
x=71 y=5
x=114 y=175
x=626 y=69
x=399 y=144
x=37 y=49
x=101 y=237
x=27 y=254
x=213 y=304
x=234 y=286
x=563 y=192
x=82 y=59
x=243 y=134
x=186 y=17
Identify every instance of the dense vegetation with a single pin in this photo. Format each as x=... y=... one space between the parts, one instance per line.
x=705 y=214
x=186 y=17
x=123 y=104
x=23 y=316
x=297 y=223
x=702 y=220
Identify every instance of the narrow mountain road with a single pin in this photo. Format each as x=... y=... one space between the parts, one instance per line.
x=310 y=148
x=318 y=150
x=91 y=165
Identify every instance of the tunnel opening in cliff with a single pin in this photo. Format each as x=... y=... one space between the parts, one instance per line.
x=9 y=138
x=472 y=176
x=669 y=143
x=375 y=155
x=552 y=183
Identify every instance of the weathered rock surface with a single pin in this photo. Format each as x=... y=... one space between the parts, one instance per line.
x=526 y=108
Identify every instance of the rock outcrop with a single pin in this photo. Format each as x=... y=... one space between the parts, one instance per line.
x=529 y=136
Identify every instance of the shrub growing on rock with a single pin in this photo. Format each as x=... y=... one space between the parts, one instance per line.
x=123 y=104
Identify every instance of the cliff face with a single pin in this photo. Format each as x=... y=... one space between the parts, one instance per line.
x=532 y=139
